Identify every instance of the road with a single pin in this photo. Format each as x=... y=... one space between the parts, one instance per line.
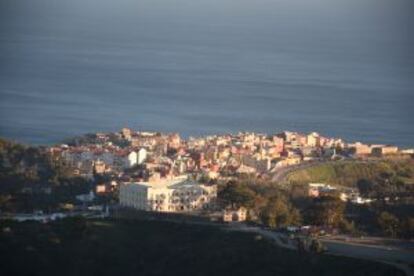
x=281 y=173
x=279 y=238
x=399 y=255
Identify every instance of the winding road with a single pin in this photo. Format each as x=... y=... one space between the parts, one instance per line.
x=281 y=173
x=399 y=254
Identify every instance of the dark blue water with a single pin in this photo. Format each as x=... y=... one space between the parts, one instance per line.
x=344 y=68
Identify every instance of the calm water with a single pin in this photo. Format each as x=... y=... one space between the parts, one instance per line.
x=344 y=68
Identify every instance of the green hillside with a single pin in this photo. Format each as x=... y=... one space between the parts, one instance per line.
x=347 y=173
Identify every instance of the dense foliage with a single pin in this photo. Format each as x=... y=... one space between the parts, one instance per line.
x=394 y=227
x=274 y=207
x=267 y=203
x=31 y=179
x=389 y=183
x=327 y=211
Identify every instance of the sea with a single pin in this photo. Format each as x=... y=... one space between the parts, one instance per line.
x=343 y=68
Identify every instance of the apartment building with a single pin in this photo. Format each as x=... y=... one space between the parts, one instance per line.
x=177 y=194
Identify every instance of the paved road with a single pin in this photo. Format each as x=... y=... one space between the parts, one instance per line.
x=279 y=238
x=380 y=253
x=401 y=257
x=281 y=173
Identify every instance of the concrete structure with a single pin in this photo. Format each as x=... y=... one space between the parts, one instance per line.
x=174 y=140
x=230 y=215
x=313 y=192
x=142 y=155
x=278 y=144
x=317 y=189
x=384 y=150
x=290 y=161
x=360 y=149
x=177 y=194
x=126 y=133
x=131 y=159
x=312 y=139
x=101 y=189
x=244 y=169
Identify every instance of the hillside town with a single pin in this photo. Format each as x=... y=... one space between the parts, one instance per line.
x=163 y=172
x=152 y=171
x=295 y=189
x=152 y=154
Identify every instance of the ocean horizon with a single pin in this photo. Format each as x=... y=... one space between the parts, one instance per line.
x=341 y=68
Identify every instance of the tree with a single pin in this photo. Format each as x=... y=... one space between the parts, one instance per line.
x=389 y=224
x=347 y=227
x=279 y=213
x=407 y=228
x=327 y=210
x=237 y=195
x=365 y=187
x=316 y=247
x=295 y=217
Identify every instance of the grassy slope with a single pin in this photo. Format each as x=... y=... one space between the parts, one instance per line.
x=346 y=173
x=159 y=248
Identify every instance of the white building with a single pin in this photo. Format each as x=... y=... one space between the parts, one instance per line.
x=131 y=159
x=167 y=195
x=312 y=139
x=322 y=187
x=142 y=155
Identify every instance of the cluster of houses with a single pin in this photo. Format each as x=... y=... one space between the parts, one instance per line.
x=89 y=159
x=144 y=167
x=214 y=157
